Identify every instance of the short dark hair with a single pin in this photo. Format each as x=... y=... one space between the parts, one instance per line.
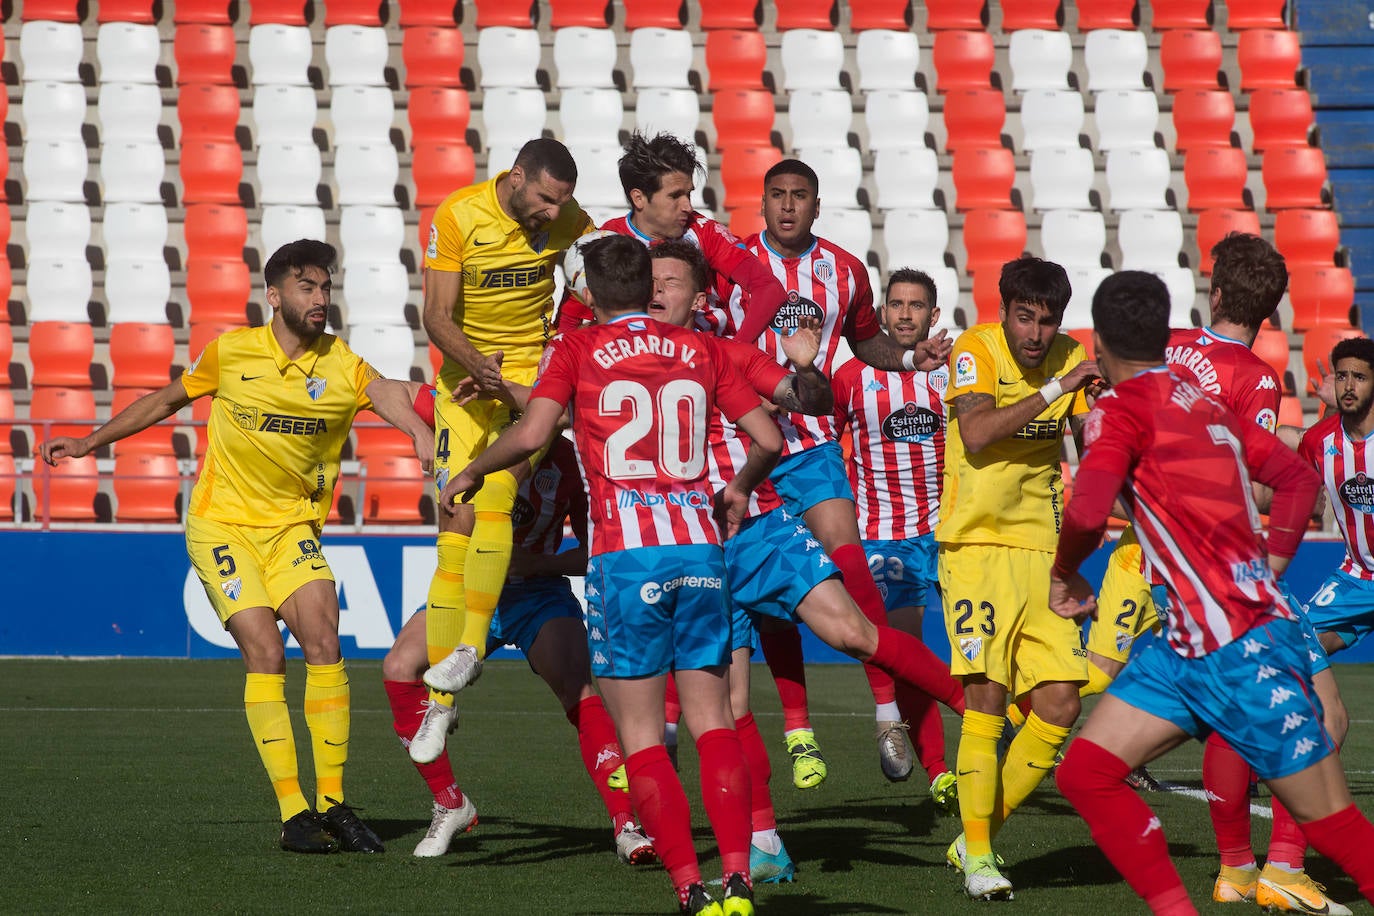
x=548 y=157
x=293 y=257
x=645 y=161
x=911 y=275
x=1036 y=281
x=1251 y=275
x=1361 y=348
x=690 y=255
x=619 y=274
x=1131 y=315
x=794 y=167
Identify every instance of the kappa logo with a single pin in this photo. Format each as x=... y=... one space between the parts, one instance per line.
x=590 y=591
x=1267 y=383
x=1280 y=695
x=599 y=659
x=970 y=647
x=594 y=634
x=314 y=387
x=604 y=755
x=874 y=385
x=232 y=587
x=1265 y=672
x=1253 y=646
x=1304 y=747
x=1151 y=827
x=1291 y=721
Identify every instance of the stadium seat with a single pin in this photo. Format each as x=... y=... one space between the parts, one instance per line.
x=1190 y=59
x=584 y=58
x=508 y=57
x=895 y=118
x=388 y=347
x=500 y=156
x=433 y=56
x=280 y=54
x=1215 y=177
x=840 y=172
x=1061 y=177
x=355 y=55
x=819 y=117
x=741 y=173
x=1105 y=14
x=439 y=169
x=201 y=334
x=375 y=437
x=367 y=173
x=1271 y=345
x=510 y=117
x=906 y=176
x=216 y=231
x=1073 y=238
x=130 y=111
x=1018 y=15
x=848 y=228
x=1125 y=119
x=141 y=353
x=911 y=236
x=146 y=487
x=59 y=289
x=50 y=50
x=1182 y=285
x=288 y=173
x=1213 y=225
x=53 y=110
x=9 y=478
x=956 y=14
x=806 y=14
x=375 y=293
x=66 y=493
x=393 y=488
x=974 y=119
x=1280 y=117
x=983 y=178
x=661 y=58
x=590 y=116
x=133 y=230
x=361 y=114
x=993 y=237
x=1320 y=295
x=598 y=177
x=675 y=111
x=1137 y=179
x=1318 y=342
x=1294 y=176
x=1179 y=14
x=353 y=12
x=204 y=53
x=963 y=60
x=1083 y=283
x=811 y=59
x=1050 y=118
x=505 y=14
x=1307 y=236
x=280 y=12
x=218 y=290
x=653 y=14
x=201 y=12
x=745 y=221
x=1040 y=59
x=1116 y=59
x=742 y=117
x=56 y=229
x=889 y=15
x=370 y=235
x=1149 y=239
x=1203 y=117
x=1255 y=14
x=127 y=52
x=131 y=172
x=565 y=14
x=728 y=14
x=73 y=407
x=735 y=59
x=1268 y=59
x=438 y=114
x=52 y=11
x=137 y=289
x=987 y=299
x=419 y=13
x=887 y=60
x=1291 y=413
x=61 y=353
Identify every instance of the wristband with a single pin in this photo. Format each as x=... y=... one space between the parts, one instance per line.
x=909 y=360
x=1052 y=391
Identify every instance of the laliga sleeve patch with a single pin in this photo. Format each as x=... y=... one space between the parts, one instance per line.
x=432 y=251
x=965 y=370
x=1267 y=420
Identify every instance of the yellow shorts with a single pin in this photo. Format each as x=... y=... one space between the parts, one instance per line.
x=1124 y=608
x=999 y=622
x=243 y=567
x=461 y=433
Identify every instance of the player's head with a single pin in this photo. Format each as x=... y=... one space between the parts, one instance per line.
x=1034 y=294
x=541 y=181
x=680 y=279
x=1130 y=320
x=791 y=203
x=909 y=308
x=619 y=275
x=298 y=286
x=1352 y=361
x=658 y=175
x=1248 y=280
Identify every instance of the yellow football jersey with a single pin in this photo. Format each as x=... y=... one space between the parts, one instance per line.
x=276 y=426
x=1011 y=492
x=507 y=298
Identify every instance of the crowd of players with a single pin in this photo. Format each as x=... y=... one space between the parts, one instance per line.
x=704 y=476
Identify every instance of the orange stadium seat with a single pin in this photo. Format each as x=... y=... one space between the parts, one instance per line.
x=140 y=11
x=593 y=14
x=376 y=437
x=1215 y=177
x=1179 y=14
x=983 y=178
x=439 y=169
x=1106 y=14
x=807 y=14
x=1317 y=343
x=51 y=10
x=974 y=118
x=729 y=14
x=202 y=332
x=1203 y=117
x=393 y=490
x=1030 y=14
x=1320 y=295
x=61 y=353
x=213 y=12
x=1191 y=59
x=218 y=290
x=66 y=493
x=215 y=231
x=514 y=13
x=1271 y=345
x=146 y=487
x=1290 y=412
x=1280 y=117
x=1307 y=236
x=963 y=60
x=6 y=355
x=208 y=111
x=654 y=14
x=438 y=114
x=204 y=53
x=955 y=14
x=73 y=407
x=156 y=439
x=742 y=117
x=1085 y=337
x=426 y=219
x=987 y=298
x=1255 y=14
x=430 y=12
x=433 y=56
x=735 y=59
x=210 y=172
x=9 y=478
x=1213 y=225
x=741 y=173
x=6 y=278
x=279 y=12
x=993 y=237
x=353 y=12
x=893 y=15
x=1294 y=176
x=745 y=221
x=1268 y=58
x=141 y=354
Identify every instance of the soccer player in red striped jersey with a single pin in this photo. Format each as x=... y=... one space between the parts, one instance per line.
x=1233 y=659
x=897 y=423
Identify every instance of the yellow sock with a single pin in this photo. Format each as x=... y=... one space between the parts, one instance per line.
x=264 y=700
x=1029 y=758
x=444 y=610
x=1098 y=681
x=488 y=559
x=1015 y=716
x=326 y=714
x=978 y=779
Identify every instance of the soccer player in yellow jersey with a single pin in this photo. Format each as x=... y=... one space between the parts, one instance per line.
x=284 y=400
x=488 y=303
x=1012 y=385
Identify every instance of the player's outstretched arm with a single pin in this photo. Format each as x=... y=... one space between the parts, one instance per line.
x=765 y=445
x=138 y=416
x=533 y=431
x=393 y=400
x=882 y=352
x=442 y=317
x=807 y=390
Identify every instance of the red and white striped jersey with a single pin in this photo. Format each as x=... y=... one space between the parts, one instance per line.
x=729 y=446
x=897 y=421
x=642 y=395
x=1345 y=468
x=550 y=497
x=1229 y=370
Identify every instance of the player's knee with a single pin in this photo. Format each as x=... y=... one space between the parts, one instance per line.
x=1058 y=707
x=400 y=665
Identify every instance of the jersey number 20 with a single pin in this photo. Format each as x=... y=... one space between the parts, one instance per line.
x=680 y=406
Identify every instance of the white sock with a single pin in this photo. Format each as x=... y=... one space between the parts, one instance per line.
x=670 y=734
x=1284 y=867
x=888 y=712
x=792 y=731
x=768 y=841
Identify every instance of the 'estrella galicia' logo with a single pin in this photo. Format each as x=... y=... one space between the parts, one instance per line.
x=911 y=423
x=1358 y=493
x=794 y=310
x=522 y=513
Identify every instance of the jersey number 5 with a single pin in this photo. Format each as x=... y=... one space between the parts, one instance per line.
x=680 y=406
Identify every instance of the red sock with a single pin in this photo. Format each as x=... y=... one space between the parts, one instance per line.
x=858 y=581
x=922 y=713
x=657 y=795
x=908 y=659
x=407 y=709
x=725 y=794
x=601 y=755
x=1346 y=838
x=1226 y=779
x=1287 y=843
x=672 y=706
x=1123 y=826
x=782 y=650
x=761 y=815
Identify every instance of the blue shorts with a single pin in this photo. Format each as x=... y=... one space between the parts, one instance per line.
x=1343 y=605
x=1256 y=692
x=903 y=570
x=651 y=610
x=525 y=606
x=773 y=563
x=1316 y=656
x=810 y=477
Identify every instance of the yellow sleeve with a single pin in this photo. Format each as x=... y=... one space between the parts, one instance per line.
x=362 y=374
x=202 y=376
x=971 y=368
x=445 y=248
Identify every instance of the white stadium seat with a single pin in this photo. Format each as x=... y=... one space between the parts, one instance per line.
x=1050 y=118
x=584 y=58
x=1073 y=238
x=375 y=293
x=1061 y=178
x=286 y=223
x=673 y=111
x=512 y=117
x=840 y=171
x=895 y=118
x=54 y=170
x=361 y=114
x=388 y=348
x=1137 y=179
x=1040 y=59
x=508 y=57
x=59 y=288
x=590 y=116
x=370 y=234
x=811 y=59
x=906 y=176
x=915 y=237
x=1116 y=59
x=288 y=173
x=283 y=114
x=661 y=58
x=53 y=110
x=56 y=229
x=129 y=111
x=280 y=54
x=355 y=55
x=1150 y=239
x=127 y=52
x=819 y=117
x=1125 y=119
x=137 y=289
x=50 y=51
x=133 y=230
x=366 y=173
x=850 y=229
x=132 y=172
x=887 y=60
